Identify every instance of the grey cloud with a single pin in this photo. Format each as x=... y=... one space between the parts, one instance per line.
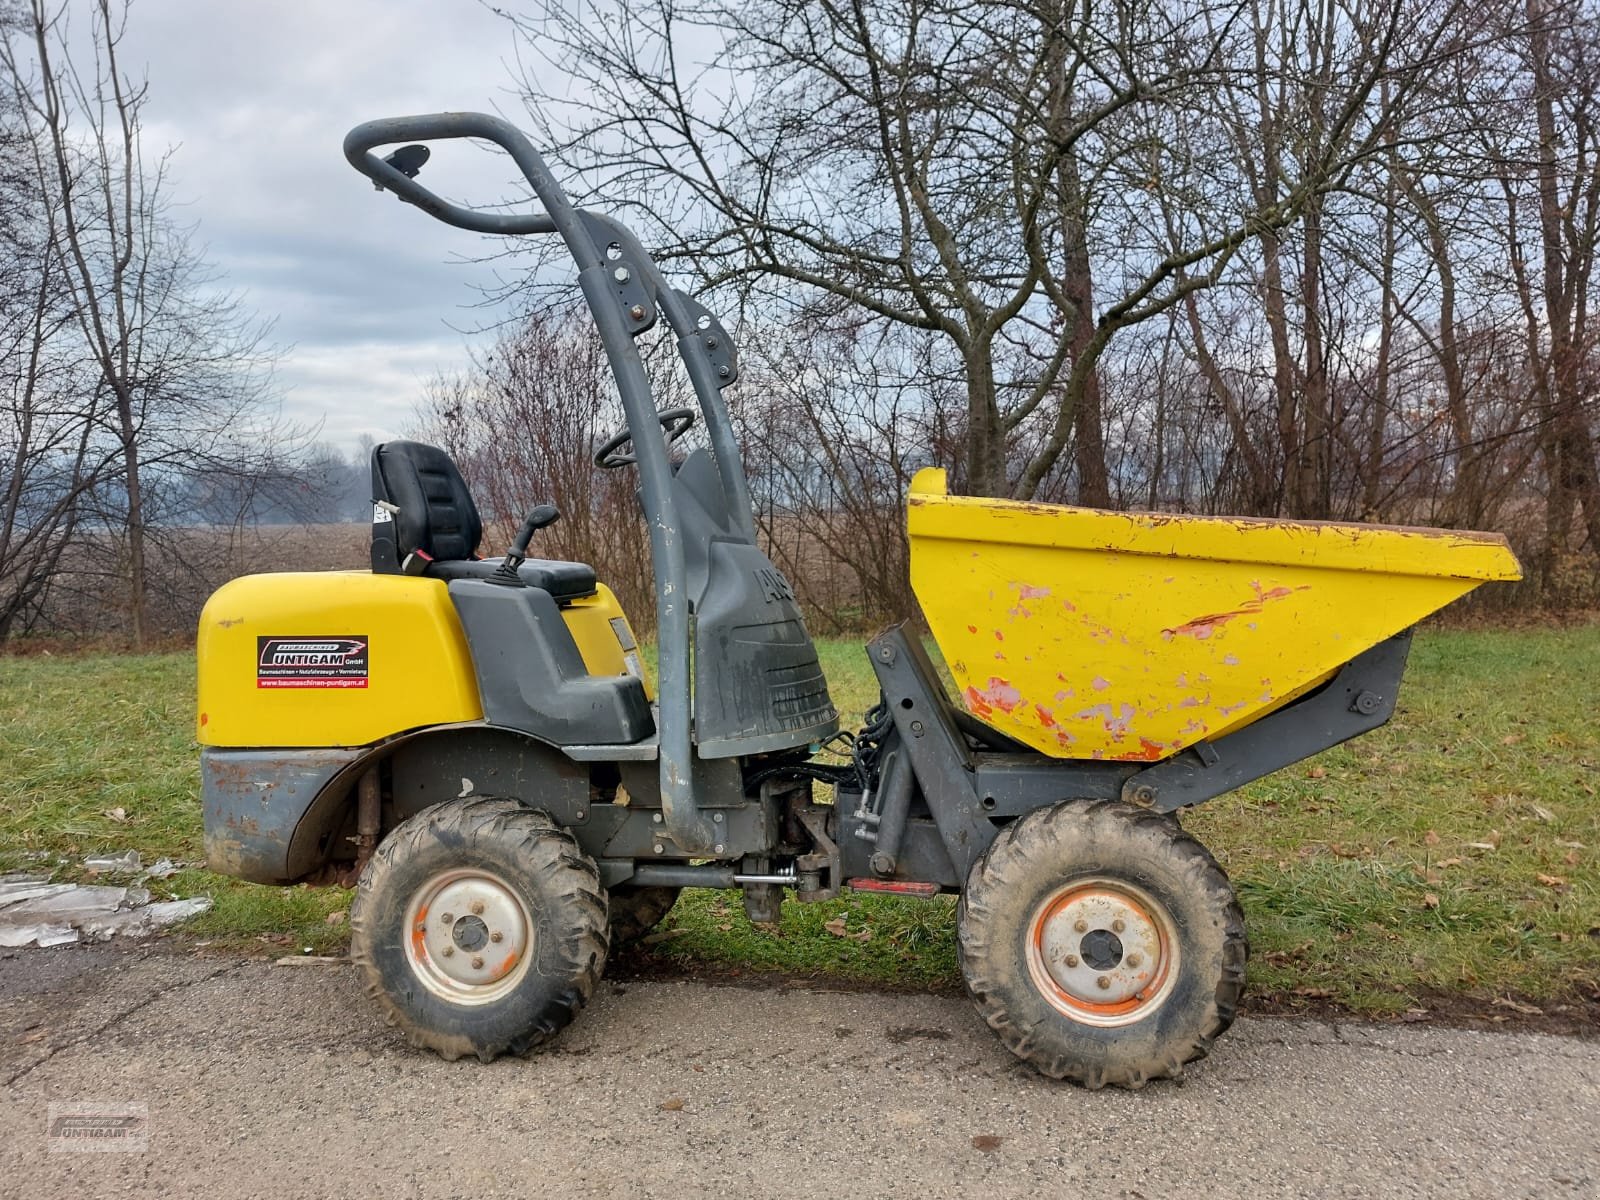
x=256 y=98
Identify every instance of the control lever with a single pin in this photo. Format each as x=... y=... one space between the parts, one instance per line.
x=537 y=518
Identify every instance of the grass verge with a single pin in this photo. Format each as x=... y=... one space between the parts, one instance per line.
x=1454 y=853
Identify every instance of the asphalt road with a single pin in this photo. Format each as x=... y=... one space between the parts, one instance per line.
x=278 y=1081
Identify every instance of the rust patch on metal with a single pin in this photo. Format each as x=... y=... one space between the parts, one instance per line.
x=1201 y=628
x=998 y=695
x=419 y=944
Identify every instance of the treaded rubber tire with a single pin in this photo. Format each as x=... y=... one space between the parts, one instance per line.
x=635 y=911
x=1030 y=861
x=558 y=883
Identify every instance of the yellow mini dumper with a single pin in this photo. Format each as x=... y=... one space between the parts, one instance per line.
x=473 y=740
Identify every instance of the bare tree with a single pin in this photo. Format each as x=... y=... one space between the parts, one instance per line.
x=989 y=173
x=1562 y=56
x=179 y=368
x=49 y=456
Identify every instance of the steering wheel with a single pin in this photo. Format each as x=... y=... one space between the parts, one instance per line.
x=675 y=422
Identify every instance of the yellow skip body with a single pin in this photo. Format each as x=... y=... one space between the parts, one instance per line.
x=1129 y=636
x=348 y=658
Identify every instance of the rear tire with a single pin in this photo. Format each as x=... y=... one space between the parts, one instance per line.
x=635 y=911
x=1102 y=943
x=480 y=928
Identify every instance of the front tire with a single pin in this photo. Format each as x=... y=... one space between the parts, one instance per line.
x=480 y=928
x=1102 y=943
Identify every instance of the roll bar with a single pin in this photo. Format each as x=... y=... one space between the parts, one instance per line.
x=624 y=292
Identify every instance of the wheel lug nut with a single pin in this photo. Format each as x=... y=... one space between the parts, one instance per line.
x=449 y=950
x=496 y=936
x=1103 y=982
x=477 y=908
x=1117 y=926
x=1081 y=925
x=477 y=963
x=1134 y=960
x=1071 y=960
x=445 y=918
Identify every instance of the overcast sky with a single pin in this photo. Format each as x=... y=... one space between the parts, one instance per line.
x=256 y=98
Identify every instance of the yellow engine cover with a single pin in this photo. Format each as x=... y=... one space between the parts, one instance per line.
x=340 y=658
x=1129 y=636
x=604 y=637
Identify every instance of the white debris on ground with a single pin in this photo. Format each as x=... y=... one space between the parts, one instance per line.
x=36 y=912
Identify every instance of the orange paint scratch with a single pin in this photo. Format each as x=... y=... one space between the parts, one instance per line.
x=1201 y=628
x=1150 y=751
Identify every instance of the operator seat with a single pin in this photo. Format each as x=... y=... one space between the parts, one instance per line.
x=421 y=507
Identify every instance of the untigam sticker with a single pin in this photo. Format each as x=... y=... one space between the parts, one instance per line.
x=311 y=662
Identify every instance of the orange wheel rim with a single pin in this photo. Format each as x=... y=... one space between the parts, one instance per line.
x=1102 y=951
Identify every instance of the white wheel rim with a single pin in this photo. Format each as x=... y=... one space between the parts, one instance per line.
x=468 y=936
x=1102 y=952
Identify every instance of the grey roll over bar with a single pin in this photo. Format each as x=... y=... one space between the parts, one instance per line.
x=623 y=290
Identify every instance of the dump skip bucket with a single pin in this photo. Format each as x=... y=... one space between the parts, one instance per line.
x=1129 y=636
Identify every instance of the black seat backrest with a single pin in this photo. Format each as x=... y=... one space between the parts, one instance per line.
x=420 y=502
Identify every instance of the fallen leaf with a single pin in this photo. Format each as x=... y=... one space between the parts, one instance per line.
x=1413 y=1015
x=1430 y=900
x=1489 y=846
x=1571 y=858
x=1543 y=813
x=1551 y=880
x=33 y=1035
x=115 y=814
x=673 y=1105
x=1571 y=845
x=1447 y=862
x=337 y=918
x=838 y=928
x=1317 y=773
x=1561 y=937
x=987 y=1142
x=1526 y=1010
x=1430 y=838
x=1511 y=739
x=1314 y=993
x=725 y=927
